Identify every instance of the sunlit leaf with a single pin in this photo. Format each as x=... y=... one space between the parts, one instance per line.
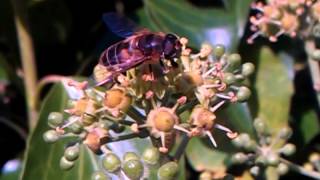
x=274 y=90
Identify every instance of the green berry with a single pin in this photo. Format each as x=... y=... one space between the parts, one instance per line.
x=288 y=149
x=55 y=119
x=65 y=164
x=273 y=159
x=168 y=171
x=234 y=61
x=76 y=127
x=99 y=175
x=219 y=50
x=255 y=170
x=239 y=158
x=50 y=136
x=247 y=69
x=133 y=169
x=130 y=156
x=316 y=55
x=111 y=162
x=229 y=78
x=282 y=169
x=243 y=94
x=72 y=153
x=151 y=155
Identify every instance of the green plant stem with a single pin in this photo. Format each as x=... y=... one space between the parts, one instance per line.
x=313 y=67
x=301 y=170
x=182 y=146
x=27 y=58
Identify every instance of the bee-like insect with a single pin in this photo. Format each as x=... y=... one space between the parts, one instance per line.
x=139 y=46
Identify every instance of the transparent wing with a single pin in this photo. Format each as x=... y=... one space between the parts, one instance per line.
x=120 y=25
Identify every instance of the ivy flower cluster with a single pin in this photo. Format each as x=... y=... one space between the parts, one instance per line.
x=266 y=151
x=289 y=17
x=141 y=103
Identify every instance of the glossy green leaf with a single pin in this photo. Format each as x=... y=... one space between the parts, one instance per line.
x=238 y=118
x=214 y=25
x=274 y=90
x=42 y=159
x=309 y=126
x=202 y=157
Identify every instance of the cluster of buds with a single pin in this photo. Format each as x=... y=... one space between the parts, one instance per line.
x=313 y=163
x=267 y=151
x=289 y=17
x=150 y=103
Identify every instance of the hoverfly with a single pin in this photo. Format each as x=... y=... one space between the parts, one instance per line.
x=140 y=46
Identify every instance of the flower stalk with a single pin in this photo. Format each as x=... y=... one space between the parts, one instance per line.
x=27 y=58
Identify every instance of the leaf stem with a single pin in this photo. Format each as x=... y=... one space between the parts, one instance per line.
x=182 y=146
x=27 y=58
x=301 y=170
x=313 y=67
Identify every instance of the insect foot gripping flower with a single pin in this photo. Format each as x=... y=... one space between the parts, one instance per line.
x=149 y=101
x=289 y=17
x=268 y=150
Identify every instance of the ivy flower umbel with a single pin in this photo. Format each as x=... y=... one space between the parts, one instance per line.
x=148 y=101
x=289 y=17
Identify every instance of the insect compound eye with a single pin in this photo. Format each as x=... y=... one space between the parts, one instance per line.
x=169 y=46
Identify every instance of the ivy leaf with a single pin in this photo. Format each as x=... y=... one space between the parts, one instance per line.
x=223 y=25
x=202 y=157
x=42 y=159
x=274 y=90
x=308 y=126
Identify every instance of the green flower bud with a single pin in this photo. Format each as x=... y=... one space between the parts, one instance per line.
x=255 y=170
x=99 y=175
x=273 y=159
x=55 y=119
x=219 y=50
x=130 y=156
x=260 y=126
x=229 y=78
x=65 y=164
x=251 y=145
x=111 y=162
x=282 y=169
x=261 y=160
x=247 y=69
x=168 y=171
x=239 y=158
x=50 y=136
x=316 y=55
x=288 y=149
x=151 y=155
x=133 y=169
x=285 y=133
x=76 y=127
x=88 y=119
x=243 y=94
x=72 y=153
x=234 y=61
x=241 y=140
